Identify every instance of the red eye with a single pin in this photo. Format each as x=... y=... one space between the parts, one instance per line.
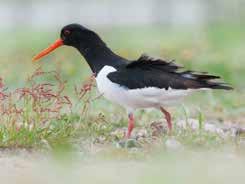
x=67 y=32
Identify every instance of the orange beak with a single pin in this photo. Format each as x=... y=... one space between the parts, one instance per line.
x=51 y=48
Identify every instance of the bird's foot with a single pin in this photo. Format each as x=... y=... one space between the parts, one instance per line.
x=130 y=126
x=168 y=119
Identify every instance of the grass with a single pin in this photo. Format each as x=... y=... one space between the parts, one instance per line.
x=56 y=109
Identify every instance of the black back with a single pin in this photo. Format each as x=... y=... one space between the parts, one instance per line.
x=150 y=72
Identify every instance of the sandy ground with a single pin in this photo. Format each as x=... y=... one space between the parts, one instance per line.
x=27 y=167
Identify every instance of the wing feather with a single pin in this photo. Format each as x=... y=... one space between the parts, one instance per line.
x=150 y=72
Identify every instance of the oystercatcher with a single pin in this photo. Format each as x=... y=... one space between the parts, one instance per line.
x=143 y=83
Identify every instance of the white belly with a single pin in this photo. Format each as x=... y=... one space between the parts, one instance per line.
x=136 y=98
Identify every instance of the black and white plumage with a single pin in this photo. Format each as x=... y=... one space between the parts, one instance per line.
x=144 y=83
x=149 y=82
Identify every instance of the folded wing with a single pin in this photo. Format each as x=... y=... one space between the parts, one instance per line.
x=150 y=72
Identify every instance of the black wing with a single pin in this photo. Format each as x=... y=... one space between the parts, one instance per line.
x=150 y=72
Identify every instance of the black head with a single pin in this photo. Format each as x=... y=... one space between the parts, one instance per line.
x=77 y=36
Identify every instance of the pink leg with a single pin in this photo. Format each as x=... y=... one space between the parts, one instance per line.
x=167 y=117
x=130 y=125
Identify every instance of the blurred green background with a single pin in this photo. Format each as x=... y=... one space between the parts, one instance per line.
x=201 y=35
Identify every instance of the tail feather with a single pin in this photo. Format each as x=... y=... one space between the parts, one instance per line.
x=215 y=85
x=204 y=80
x=199 y=75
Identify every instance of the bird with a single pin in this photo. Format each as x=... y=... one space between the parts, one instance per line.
x=146 y=82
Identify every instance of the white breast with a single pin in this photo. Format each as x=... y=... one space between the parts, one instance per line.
x=136 y=98
x=105 y=86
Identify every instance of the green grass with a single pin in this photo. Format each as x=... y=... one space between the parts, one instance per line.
x=217 y=49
